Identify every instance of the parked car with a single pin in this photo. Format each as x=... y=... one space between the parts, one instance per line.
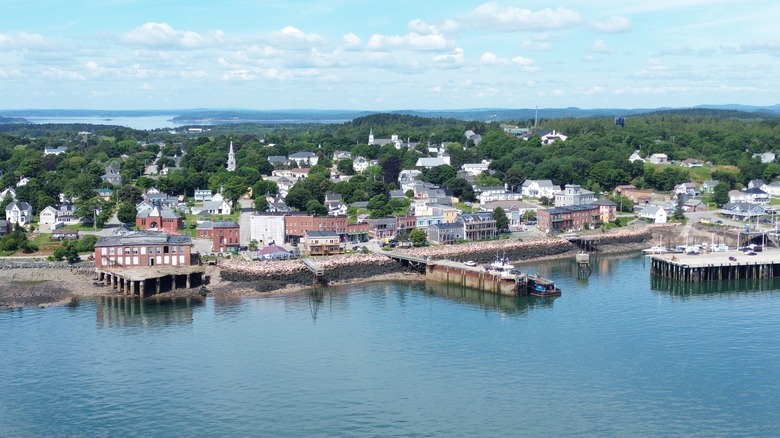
x=470 y=263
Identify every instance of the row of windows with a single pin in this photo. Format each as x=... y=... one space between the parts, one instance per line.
x=134 y=250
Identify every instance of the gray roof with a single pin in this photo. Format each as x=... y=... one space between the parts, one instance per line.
x=210 y=225
x=303 y=154
x=144 y=238
x=20 y=205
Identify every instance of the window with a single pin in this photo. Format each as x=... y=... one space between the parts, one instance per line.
x=135 y=250
x=111 y=251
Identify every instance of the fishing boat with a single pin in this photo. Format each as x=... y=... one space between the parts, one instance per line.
x=541 y=287
x=501 y=264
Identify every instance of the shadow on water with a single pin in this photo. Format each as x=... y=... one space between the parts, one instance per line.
x=502 y=303
x=708 y=288
x=112 y=312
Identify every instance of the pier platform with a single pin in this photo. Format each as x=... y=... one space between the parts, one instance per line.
x=144 y=281
x=716 y=266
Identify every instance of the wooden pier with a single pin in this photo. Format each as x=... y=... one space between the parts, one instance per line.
x=717 y=266
x=145 y=281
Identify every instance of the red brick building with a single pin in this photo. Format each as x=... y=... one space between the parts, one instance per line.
x=162 y=218
x=143 y=248
x=225 y=235
x=569 y=218
x=296 y=225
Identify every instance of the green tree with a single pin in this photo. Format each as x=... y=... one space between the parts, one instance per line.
x=679 y=213
x=261 y=204
x=502 y=222
x=129 y=193
x=316 y=208
x=418 y=237
x=345 y=167
x=720 y=195
x=514 y=177
x=126 y=213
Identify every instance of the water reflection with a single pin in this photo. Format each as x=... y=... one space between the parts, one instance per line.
x=112 y=312
x=704 y=288
x=490 y=301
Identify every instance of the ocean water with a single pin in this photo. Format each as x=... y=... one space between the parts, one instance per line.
x=616 y=355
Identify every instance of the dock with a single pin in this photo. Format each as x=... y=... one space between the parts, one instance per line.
x=717 y=266
x=144 y=281
x=477 y=277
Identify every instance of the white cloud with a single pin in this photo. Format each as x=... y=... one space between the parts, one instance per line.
x=351 y=40
x=147 y=86
x=293 y=35
x=451 y=59
x=411 y=41
x=601 y=47
x=436 y=89
x=25 y=40
x=494 y=16
x=162 y=35
x=612 y=25
x=490 y=58
x=527 y=64
x=536 y=46
x=59 y=73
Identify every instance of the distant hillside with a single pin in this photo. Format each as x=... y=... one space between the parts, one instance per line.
x=12 y=120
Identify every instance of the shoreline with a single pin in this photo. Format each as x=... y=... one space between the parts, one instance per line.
x=56 y=285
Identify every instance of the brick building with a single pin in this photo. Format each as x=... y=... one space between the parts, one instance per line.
x=224 y=235
x=159 y=218
x=143 y=248
x=568 y=219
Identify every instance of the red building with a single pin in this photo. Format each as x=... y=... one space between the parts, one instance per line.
x=224 y=235
x=159 y=218
x=296 y=225
x=143 y=248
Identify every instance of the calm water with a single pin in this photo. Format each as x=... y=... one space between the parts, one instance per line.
x=615 y=356
x=135 y=122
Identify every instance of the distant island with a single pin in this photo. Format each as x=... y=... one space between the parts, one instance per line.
x=237 y=115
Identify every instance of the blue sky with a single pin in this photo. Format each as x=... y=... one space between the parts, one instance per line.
x=372 y=55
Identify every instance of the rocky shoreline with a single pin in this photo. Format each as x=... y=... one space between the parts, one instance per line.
x=41 y=284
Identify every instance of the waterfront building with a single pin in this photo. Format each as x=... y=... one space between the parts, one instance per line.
x=18 y=213
x=143 y=248
x=224 y=235
x=267 y=228
x=568 y=219
x=573 y=194
x=322 y=243
x=445 y=233
x=478 y=226
x=537 y=188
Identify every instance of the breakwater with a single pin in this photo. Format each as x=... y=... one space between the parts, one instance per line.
x=269 y=276
x=81 y=267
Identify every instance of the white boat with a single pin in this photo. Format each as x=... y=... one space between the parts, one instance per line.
x=658 y=249
x=721 y=247
x=500 y=265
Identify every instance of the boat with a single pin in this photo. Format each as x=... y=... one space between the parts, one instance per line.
x=541 y=287
x=500 y=265
x=658 y=249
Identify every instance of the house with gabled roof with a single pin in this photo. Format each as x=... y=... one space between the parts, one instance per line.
x=708 y=186
x=159 y=218
x=19 y=213
x=537 y=188
x=654 y=213
x=304 y=158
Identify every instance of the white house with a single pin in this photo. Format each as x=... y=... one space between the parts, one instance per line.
x=536 y=188
x=551 y=137
x=773 y=188
x=48 y=216
x=428 y=163
x=267 y=228
x=752 y=195
x=659 y=159
x=214 y=207
x=18 y=213
x=55 y=151
x=686 y=189
x=360 y=164
x=8 y=192
x=766 y=157
x=655 y=213
x=573 y=194
x=635 y=157
x=304 y=159
x=475 y=169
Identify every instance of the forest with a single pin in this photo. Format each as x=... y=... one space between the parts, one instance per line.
x=595 y=155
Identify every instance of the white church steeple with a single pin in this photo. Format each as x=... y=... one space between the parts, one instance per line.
x=371 y=136
x=231 y=162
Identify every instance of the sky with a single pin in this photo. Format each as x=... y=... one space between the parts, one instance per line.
x=387 y=55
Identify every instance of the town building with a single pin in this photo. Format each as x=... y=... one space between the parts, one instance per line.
x=304 y=159
x=478 y=226
x=568 y=219
x=267 y=228
x=654 y=213
x=159 y=218
x=143 y=248
x=539 y=188
x=573 y=194
x=659 y=159
x=47 y=216
x=224 y=235
x=442 y=233
x=64 y=234
x=203 y=195
x=317 y=243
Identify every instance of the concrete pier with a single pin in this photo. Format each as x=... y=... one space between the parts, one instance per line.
x=137 y=281
x=717 y=266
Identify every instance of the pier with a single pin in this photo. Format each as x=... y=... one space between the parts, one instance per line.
x=717 y=266
x=145 y=281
